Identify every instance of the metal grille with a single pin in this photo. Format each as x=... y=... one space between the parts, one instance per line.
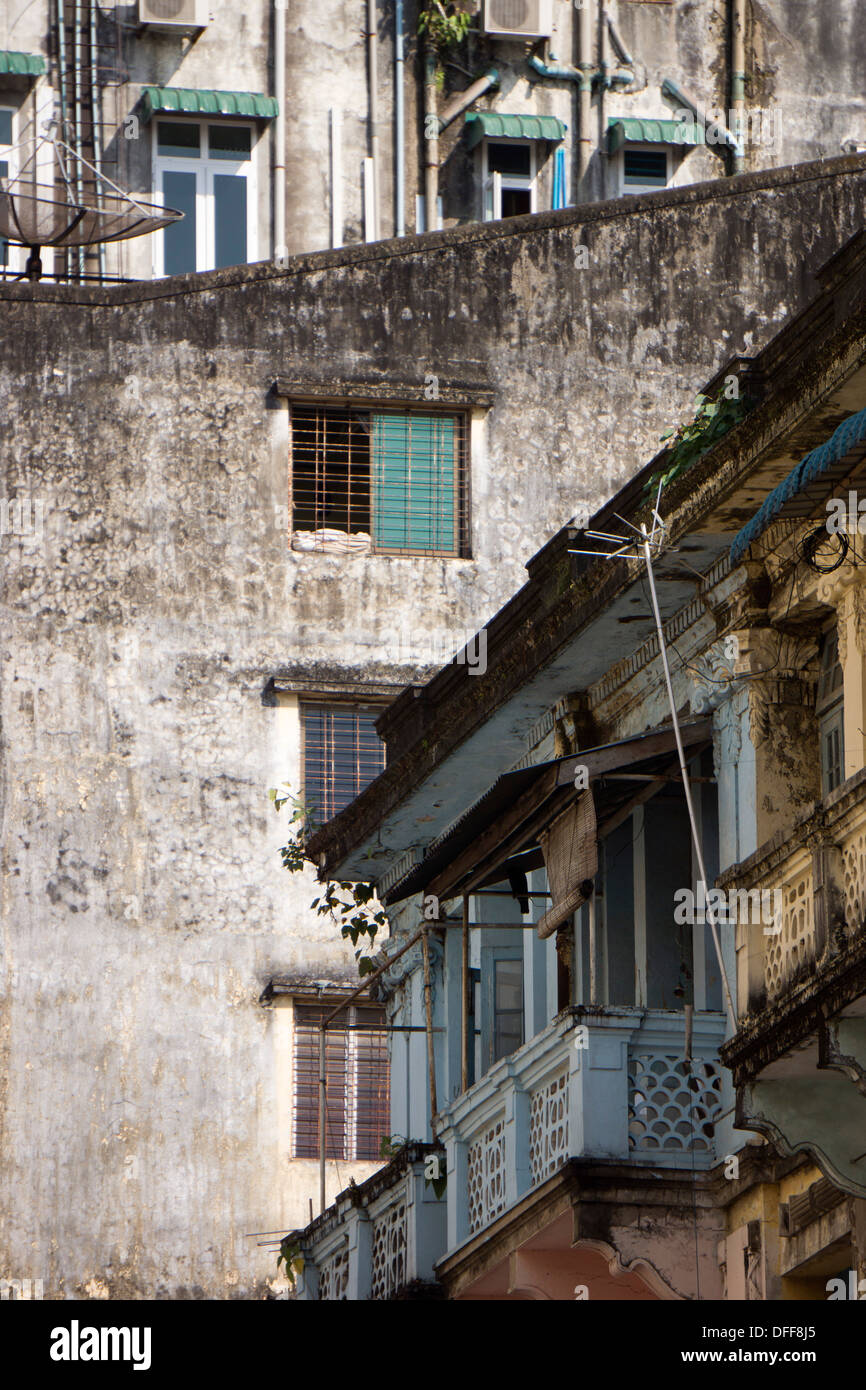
x=342 y=755
x=389 y=482
x=357 y=1082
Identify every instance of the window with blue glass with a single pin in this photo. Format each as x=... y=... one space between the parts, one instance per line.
x=204 y=169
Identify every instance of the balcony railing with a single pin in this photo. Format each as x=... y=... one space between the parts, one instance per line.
x=819 y=869
x=380 y=1239
x=608 y=1084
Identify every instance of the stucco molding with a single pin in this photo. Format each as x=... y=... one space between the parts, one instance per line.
x=618 y=1267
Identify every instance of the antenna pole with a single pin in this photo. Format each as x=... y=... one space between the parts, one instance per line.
x=711 y=916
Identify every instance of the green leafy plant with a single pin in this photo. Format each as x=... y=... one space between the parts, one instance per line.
x=290 y=1255
x=351 y=906
x=445 y=25
x=690 y=441
x=390 y=1145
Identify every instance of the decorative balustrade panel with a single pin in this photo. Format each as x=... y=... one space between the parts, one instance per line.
x=673 y=1104
x=548 y=1128
x=854 y=877
x=389 y=1252
x=486 y=1176
x=794 y=946
x=334 y=1277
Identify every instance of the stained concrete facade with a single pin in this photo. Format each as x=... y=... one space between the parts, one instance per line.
x=158 y=632
x=803 y=66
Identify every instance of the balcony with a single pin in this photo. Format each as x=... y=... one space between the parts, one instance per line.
x=601 y=1084
x=379 y=1240
x=608 y=1087
x=799 y=1057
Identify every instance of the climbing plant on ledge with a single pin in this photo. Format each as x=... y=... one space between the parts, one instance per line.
x=351 y=906
x=711 y=421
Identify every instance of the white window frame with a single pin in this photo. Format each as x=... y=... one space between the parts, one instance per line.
x=626 y=190
x=9 y=155
x=494 y=183
x=205 y=170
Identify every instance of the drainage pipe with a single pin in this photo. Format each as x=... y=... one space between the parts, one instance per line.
x=723 y=136
x=399 y=125
x=618 y=78
x=431 y=140
x=64 y=131
x=76 y=124
x=738 y=78
x=96 y=125
x=458 y=101
x=618 y=44
x=372 y=78
x=280 y=249
x=584 y=95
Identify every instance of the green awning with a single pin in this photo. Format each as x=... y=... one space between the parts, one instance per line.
x=498 y=127
x=21 y=64
x=634 y=130
x=200 y=102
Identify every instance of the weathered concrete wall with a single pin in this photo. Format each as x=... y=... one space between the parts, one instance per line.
x=142 y=1134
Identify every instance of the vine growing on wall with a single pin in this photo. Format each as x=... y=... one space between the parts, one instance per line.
x=351 y=906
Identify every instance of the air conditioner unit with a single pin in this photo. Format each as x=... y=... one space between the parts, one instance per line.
x=174 y=16
x=519 y=19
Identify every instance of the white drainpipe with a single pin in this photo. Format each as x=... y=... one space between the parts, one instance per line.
x=280 y=248
x=738 y=78
x=372 y=78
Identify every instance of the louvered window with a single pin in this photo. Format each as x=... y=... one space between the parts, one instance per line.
x=357 y=1076
x=342 y=755
x=384 y=481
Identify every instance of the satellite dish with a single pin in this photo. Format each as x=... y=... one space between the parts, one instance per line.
x=38 y=214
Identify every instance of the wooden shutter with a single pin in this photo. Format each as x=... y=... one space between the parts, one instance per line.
x=306 y=1084
x=342 y=755
x=372 y=1117
x=357 y=1111
x=415 y=483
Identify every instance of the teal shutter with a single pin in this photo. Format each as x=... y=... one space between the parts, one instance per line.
x=414 y=483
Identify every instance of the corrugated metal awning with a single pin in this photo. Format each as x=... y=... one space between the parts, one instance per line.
x=200 y=101
x=496 y=126
x=527 y=799
x=632 y=130
x=850 y=434
x=21 y=64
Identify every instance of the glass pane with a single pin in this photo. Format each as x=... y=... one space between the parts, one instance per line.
x=5 y=127
x=508 y=159
x=507 y=1007
x=228 y=141
x=230 y=219
x=509 y=984
x=178 y=190
x=646 y=167
x=179 y=138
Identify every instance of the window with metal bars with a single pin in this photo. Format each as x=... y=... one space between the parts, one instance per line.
x=357 y=1082
x=342 y=754
x=389 y=482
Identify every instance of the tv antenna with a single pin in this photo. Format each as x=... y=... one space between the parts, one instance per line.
x=36 y=214
x=643 y=544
